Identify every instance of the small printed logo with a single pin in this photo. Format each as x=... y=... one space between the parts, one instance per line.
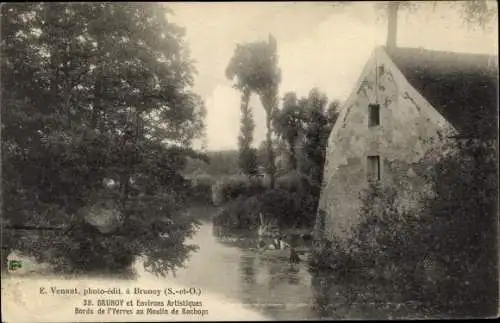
x=15 y=264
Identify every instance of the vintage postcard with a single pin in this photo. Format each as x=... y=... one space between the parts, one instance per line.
x=264 y=161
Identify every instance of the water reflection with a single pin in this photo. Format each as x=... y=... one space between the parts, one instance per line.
x=230 y=268
x=268 y=284
x=274 y=287
x=247 y=269
x=323 y=302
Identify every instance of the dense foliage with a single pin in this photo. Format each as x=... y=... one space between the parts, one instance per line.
x=442 y=256
x=229 y=188
x=290 y=210
x=289 y=204
x=201 y=190
x=254 y=67
x=320 y=117
x=303 y=127
x=220 y=163
x=96 y=92
x=288 y=122
x=247 y=154
x=463 y=236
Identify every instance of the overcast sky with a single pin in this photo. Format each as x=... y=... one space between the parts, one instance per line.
x=319 y=44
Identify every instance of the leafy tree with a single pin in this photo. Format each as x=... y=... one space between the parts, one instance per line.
x=279 y=148
x=288 y=123
x=247 y=154
x=332 y=112
x=221 y=163
x=319 y=120
x=474 y=13
x=255 y=67
x=463 y=226
x=98 y=92
x=248 y=161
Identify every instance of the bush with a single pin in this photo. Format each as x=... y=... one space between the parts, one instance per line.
x=381 y=235
x=201 y=189
x=289 y=209
x=384 y=251
x=463 y=233
x=292 y=182
x=444 y=255
x=290 y=203
x=238 y=215
x=235 y=186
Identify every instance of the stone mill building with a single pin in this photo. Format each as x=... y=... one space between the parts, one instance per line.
x=406 y=101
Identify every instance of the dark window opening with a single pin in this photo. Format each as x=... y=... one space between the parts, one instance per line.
x=381 y=70
x=373 y=164
x=373 y=115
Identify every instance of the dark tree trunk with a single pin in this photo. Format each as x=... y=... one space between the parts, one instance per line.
x=246 y=135
x=293 y=155
x=392 y=25
x=271 y=169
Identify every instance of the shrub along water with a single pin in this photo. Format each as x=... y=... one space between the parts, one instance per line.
x=290 y=204
x=235 y=186
x=201 y=190
x=443 y=256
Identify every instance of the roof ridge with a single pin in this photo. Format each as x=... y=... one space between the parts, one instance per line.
x=425 y=50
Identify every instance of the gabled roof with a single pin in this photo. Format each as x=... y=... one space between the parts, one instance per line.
x=463 y=88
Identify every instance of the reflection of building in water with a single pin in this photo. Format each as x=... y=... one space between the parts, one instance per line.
x=321 y=292
x=247 y=269
x=293 y=277
x=282 y=275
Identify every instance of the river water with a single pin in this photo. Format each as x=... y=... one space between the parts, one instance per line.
x=270 y=286
x=235 y=282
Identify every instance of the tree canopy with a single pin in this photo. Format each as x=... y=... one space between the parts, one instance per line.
x=94 y=92
x=254 y=69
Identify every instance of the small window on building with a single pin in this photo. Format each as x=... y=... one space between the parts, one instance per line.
x=373 y=168
x=373 y=115
x=381 y=70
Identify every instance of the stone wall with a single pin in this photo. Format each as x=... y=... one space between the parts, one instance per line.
x=409 y=128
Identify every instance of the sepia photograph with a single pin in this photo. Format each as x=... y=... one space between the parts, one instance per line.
x=249 y=161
